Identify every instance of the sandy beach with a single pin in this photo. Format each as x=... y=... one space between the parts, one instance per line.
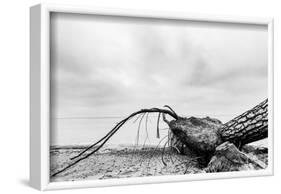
x=121 y=162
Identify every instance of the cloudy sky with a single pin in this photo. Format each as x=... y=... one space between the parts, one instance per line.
x=105 y=68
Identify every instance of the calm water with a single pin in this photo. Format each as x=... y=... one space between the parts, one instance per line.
x=69 y=131
x=80 y=131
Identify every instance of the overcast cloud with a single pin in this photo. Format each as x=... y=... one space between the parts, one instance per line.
x=106 y=66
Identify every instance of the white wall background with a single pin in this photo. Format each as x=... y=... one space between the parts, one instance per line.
x=14 y=100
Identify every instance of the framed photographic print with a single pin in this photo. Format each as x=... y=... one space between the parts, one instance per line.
x=133 y=97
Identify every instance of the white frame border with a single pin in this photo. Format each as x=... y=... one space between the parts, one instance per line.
x=40 y=92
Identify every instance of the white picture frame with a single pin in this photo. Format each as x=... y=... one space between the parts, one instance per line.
x=40 y=95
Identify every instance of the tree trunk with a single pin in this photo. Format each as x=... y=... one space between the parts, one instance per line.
x=248 y=127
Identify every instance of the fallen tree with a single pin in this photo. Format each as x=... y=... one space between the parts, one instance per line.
x=248 y=127
x=201 y=136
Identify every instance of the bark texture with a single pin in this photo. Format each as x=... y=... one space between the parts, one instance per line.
x=203 y=137
x=248 y=127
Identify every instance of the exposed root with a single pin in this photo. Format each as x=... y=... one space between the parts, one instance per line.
x=137 y=118
x=147 y=137
x=155 y=149
x=167 y=106
x=163 y=151
x=138 y=133
x=158 y=130
x=104 y=139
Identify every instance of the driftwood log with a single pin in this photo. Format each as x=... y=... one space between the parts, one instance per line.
x=201 y=136
x=249 y=127
x=215 y=143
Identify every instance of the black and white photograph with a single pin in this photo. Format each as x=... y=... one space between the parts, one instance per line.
x=139 y=97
